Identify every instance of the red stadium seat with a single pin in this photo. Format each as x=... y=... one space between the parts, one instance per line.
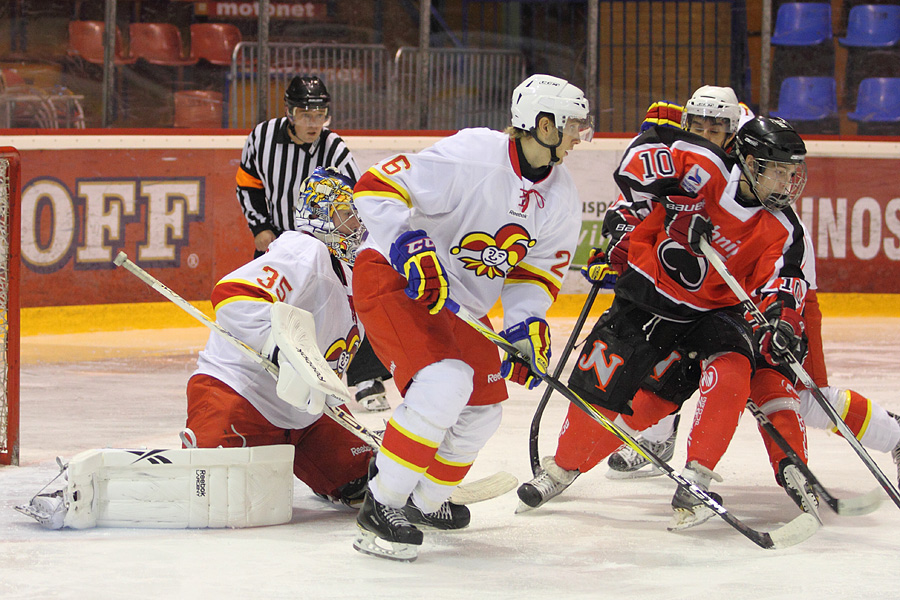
x=158 y=44
x=86 y=42
x=214 y=42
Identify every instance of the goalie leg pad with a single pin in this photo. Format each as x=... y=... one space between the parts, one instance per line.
x=182 y=488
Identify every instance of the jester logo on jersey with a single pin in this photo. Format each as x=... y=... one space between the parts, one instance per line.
x=341 y=352
x=494 y=255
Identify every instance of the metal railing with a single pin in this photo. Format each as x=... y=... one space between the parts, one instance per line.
x=460 y=87
x=355 y=76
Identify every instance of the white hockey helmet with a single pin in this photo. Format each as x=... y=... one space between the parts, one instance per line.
x=713 y=102
x=547 y=94
x=327 y=211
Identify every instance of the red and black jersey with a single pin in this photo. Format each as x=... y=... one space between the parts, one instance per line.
x=763 y=250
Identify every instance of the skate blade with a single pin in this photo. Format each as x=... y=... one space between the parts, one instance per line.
x=642 y=473
x=685 y=519
x=368 y=543
x=523 y=508
x=45 y=519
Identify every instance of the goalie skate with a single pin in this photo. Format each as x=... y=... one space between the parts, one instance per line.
x=385 y=532
x=47 y=509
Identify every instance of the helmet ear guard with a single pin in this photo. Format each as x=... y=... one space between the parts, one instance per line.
x=326 y=210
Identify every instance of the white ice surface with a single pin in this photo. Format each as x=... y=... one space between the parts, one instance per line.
x=601 y=539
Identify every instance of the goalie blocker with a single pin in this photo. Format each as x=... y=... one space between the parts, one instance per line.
x=178 y=488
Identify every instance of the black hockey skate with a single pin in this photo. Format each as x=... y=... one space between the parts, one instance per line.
x=626 y=463
x=798 y=488
x=386 y=532
x=448 y=516
x=688 y=510
x=550 y=482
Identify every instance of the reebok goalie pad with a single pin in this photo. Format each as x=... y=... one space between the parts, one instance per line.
x=180 y=488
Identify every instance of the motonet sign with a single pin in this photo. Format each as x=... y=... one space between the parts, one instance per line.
x=306 y=11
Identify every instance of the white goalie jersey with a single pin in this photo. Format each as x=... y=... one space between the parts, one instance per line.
x=498 y=234
x=297 y=270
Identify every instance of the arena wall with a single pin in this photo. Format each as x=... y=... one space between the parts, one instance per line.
x=168 y=201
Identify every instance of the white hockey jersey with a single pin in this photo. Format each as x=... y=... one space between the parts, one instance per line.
x=496 y=233
x=297 y=270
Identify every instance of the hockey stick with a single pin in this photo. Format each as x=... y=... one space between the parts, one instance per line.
x=477 y=491
x=846 y=507
x=800 y=372
x=342 y=417
x=793 y=532
x=533 y=433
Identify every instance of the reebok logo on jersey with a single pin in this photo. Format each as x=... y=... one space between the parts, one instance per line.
x=695 y=179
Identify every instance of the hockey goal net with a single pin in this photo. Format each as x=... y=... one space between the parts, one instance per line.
x=9 y=306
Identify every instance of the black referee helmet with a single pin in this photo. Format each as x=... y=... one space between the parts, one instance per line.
x=306 y=92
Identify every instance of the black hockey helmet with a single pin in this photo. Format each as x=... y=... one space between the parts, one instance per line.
x=777 y=174
x=306 y=92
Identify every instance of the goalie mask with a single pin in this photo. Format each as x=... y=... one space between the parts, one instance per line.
x=327 y=211
x=713 y=102
x=773 y=160
x=546 y=95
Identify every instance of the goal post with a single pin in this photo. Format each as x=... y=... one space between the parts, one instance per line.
x=9 y=305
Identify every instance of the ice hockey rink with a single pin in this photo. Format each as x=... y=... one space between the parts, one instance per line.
x=601 y=539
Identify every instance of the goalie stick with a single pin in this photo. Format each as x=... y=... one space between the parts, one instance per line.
x=846 y=507
x=534 y=432
x=793 y=532
x=477 y=491
x=800 y=372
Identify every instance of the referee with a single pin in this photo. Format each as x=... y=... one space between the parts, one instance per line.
x=281 y=153
x=278 y=156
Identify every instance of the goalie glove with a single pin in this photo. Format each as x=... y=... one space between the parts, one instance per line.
x=531 y=338
x=293 y=389
x=598 y=271
x=784 y=334
x=687 y=222
x=413 y=256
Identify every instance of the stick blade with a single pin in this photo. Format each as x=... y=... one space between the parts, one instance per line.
x=795 y=531
x=485 y=488
x=860 y=505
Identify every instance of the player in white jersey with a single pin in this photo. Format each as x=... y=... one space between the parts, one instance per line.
x=232 y=400
x=478 y=217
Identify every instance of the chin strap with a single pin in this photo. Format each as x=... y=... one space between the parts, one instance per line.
x=554 y=159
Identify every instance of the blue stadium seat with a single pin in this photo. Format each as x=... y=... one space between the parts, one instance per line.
x=807 y=99
x=802 y=24
x=873 y=26
x=878 y=101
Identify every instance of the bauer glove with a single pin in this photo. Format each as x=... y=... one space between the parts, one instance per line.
x=784 y=334
x=413 y=256
x=531 y=338
x=687 y=222
x=598 y=271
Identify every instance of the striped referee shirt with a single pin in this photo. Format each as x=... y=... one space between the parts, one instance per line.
x=273 y=168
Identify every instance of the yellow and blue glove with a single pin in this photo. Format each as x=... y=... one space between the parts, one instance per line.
x=531 y=338
x=413 y=256
x=598 y=271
